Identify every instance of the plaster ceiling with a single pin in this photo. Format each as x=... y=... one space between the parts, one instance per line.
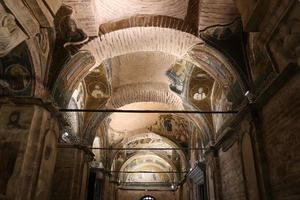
x=119 y=9
x=127 y=122
x=141 y=67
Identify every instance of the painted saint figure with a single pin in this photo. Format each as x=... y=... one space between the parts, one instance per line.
x=97 y=92
x=200 y=95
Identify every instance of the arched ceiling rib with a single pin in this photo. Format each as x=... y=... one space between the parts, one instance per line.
x=216 y=12
x=148 y=21
x=122 y=42
x=152 y=141
x=146 y=92
x=142 y=39
x=149 y=162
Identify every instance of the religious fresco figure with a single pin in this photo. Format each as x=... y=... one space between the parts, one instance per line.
x=18 y=77
x=97 y=92
x=177 y=76
x=200 y=95
x=171 y=126
x=168 y=124
x=13 y=121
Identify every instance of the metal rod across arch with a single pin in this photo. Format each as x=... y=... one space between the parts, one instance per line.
x=148 y=172
x=152 y=149
x=149 y=111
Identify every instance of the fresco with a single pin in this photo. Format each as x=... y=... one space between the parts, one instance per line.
x=98 y=87
x=149 y=142
x=177 y=75
x=15 y=123
x=261 y=65
x=151 y=163
x=16 y=71
x=220 y=102
x=172 y=126
x=200 y=86
x=285 y=43
x=77 y=101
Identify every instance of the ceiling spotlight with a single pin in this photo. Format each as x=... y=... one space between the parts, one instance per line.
x=66 y=134
x=249 y=96
x=65 y=137
x=172 y=186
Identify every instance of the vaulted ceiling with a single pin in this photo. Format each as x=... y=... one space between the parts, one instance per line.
x=145 y=55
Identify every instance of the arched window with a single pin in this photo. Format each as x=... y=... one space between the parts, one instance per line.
x=147 y=198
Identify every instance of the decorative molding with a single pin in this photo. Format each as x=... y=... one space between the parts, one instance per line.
x=10 y=33
x=24 y=16
x=41 y=12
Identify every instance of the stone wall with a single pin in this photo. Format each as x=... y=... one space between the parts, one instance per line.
x=28 y=138
x=232 y=182
x=280 y=129
x=70 y=175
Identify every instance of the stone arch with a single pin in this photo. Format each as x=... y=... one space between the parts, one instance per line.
x=166 y=140
x=130 y=40
x=146 y=94
x=140 y=39
x=165 y=159
x=144 y=20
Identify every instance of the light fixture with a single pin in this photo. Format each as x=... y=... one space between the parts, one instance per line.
x=249 y=96
x=65 y=137
x=173 y=187
x=66 y=134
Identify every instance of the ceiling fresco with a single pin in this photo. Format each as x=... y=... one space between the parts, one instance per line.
x=98 y=87
x=178 y=76
x=130 y=55
x=147 y=163
x=173 y=127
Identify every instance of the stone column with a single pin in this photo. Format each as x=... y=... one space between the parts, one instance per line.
x=213 y=175
x=71 y=172
x=28 y=139
x=109 y=189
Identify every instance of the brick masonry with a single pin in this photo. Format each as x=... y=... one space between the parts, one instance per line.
x=281 y=135
x=232 y=182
